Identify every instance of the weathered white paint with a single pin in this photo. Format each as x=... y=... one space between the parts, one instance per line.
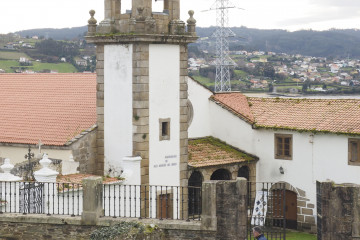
x=164 y=102
x=16 y=153
x=70 y=166
x=118 y=106
x=199 y=97
x=132 y=170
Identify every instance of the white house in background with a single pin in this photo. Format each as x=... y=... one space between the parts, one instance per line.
x=297 y=141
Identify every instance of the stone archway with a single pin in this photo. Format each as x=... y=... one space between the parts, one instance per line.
x=244 y=172
x=194 y=204
x=221 y=174
x=296 y=201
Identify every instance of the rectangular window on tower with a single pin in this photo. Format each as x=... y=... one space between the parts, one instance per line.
x=164 y=127
x=354 y=151
x=283 y=146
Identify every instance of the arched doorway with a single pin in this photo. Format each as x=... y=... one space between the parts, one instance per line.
x=244 y=172
x=290 y=207
x=221 y=174
x=194 y=203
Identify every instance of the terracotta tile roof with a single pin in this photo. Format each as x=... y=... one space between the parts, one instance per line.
x=236 y=103
x=322 y=115
x=52 y=108
x=77 y=178
x=212 y=152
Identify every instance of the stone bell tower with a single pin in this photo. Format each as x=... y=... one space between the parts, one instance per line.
x=142 y=90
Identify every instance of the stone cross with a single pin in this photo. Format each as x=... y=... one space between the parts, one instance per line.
x=39 y=145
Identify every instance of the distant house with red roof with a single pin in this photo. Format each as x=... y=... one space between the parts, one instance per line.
x=59 y=110
x=296 y=141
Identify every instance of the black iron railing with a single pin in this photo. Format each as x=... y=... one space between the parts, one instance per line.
x=41 y=198
x=160 y=202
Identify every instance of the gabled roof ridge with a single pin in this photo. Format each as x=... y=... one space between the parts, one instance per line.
x=245 y=115
x=305 y=99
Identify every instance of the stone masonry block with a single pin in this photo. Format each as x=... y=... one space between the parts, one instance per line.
x=141 y=79
x=100 y=95
x=307 y=211
x=100 y=87
x=100 y=79
x=310 y=219
x=140 y=104
x=183 y=95
x=183 y=87
x=99 y=64
x=100 y=110
x=310 y=205
x=301 y=203
x=100 y=72
x=137 y=87
x=141 y=112
x=100 y=103
x=100 y=119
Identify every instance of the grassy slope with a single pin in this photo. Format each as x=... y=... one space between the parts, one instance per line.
x=12 y=55
x=60 y=67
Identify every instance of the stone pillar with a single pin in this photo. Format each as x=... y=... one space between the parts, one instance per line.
x=224 y=208
x=175 y=9
x=45 y=175
x=9 y=189
x=183 y=115
x=141 y=107
x=208 y=206
x=99 y=163
x=93 y=204
x=107 y=10
x=338 y=211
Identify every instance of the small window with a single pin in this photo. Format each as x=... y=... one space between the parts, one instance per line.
x=354 y=151
x=283 y=146
x=164 y=133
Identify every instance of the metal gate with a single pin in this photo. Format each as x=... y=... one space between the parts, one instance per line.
x=267 y=209
x=31 y=197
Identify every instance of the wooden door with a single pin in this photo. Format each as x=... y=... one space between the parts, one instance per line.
x=290 y=208
x=165 y=206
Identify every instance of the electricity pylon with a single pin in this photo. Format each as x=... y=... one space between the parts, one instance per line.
x=223 y=61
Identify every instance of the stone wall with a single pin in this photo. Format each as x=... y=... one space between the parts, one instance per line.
x=224 y=217
x=338 y=211
x=84 y=151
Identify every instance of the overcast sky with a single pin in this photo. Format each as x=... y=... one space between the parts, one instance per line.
x=292 y=15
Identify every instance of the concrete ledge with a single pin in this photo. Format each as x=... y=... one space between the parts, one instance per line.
x=41 y=219
x=104 y=221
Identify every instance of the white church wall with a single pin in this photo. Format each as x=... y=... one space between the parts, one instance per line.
x=331 y=154
x=298 y=172
x=199 y=97
x=231 y=129
x=118 y=108
x=164 y=103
